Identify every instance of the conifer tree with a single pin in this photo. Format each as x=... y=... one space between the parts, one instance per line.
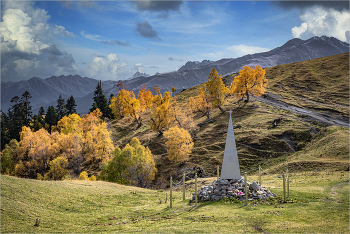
x=5 y=138
x=51 y=116
x=100 y=102
x=70 y=106
x=16 y=117
x=61 y=108
x=26 y=108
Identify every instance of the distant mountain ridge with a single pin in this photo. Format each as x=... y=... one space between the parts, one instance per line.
x=46 y=91
x=195 y=64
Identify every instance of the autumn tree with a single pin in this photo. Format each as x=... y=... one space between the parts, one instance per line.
x=142 y=169
x=249 y=81
x=201 y=103
x=36 y=150
x=145 y=97
x=161 y=112
x=126 y=104
x=216 y=89
x=133 y=164
x=113 y=170
x=57 y=169
x=179 y=144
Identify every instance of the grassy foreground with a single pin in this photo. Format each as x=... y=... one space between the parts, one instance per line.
x=319 y=202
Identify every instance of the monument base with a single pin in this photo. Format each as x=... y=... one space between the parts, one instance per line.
x=228 y=171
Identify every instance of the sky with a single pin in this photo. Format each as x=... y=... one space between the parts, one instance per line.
x=111 y=40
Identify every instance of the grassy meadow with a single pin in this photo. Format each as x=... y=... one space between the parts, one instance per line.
x=318 y=203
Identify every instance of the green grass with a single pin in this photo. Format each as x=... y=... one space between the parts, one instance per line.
x=318 y=202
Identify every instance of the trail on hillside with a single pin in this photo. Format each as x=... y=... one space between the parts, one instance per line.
x=312 y=115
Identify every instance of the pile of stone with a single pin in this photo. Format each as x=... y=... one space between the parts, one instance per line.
x=232 y=189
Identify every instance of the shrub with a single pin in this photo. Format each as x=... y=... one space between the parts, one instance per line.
x=57 y=169
x=67 y=177
x=39 y=176
x=93 y=178
x=83 y=176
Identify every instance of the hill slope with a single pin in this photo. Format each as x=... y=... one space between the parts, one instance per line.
x=294 y=141
x=100 y=207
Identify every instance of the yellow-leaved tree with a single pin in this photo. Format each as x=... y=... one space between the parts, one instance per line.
x=36 y=150
x=249 y=81
x=216 y=89
x=126 y=104
x=145 y=98
x=179 y=144
x=162 y=115
x=134 y=164
x=201 y=103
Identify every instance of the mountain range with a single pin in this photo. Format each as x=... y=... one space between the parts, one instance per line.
x=45 y=92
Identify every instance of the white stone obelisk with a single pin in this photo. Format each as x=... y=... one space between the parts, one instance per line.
x=230 y=165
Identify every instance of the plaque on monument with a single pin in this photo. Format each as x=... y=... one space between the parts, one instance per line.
x=230 y=165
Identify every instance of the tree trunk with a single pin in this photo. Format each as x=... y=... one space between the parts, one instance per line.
x=221 y=109
x=247 y=97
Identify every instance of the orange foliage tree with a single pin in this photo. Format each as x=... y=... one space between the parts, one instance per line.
x=179 y=144
x=126 y=104
x=216 y=89
x=162 y=114
x=249 y=81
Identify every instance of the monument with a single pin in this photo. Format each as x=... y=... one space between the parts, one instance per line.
x=230 y=165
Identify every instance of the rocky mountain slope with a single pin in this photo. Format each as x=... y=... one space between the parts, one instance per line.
x=45 y=92
x=194 y=64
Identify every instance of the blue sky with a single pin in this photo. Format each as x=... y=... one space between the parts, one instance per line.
x=114 y=39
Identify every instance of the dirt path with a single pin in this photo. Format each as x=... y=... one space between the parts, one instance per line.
x=333 y=190
x=312 y=115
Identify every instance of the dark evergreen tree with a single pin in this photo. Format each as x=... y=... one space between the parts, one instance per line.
x=27 y=109
x=16 y=116
x=70 y=106
x=41 y=119
x=5 y=139
x=51 y=116
x=61 y=108
x=101 y=102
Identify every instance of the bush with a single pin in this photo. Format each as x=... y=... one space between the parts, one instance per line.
x=39 y=176
x=67 y=177
x=83 y=176
x=57 y=169
x=93 y=178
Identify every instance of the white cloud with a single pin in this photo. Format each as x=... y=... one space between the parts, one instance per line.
x=91 y=37
x=25 y=35
x=234 y=52
x=106 y=69
x=319 y=21
x=60 y=30
x=297 y=31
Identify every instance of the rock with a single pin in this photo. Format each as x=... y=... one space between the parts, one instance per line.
x=255 y=186
x=216 y=198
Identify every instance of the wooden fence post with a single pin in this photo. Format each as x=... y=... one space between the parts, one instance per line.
x=284 y=188
x=287 y=183
x=217 y=172
x=183 y=182
x=259 y=175
x=195 y=188
x=245 y=188
x=171 y=192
